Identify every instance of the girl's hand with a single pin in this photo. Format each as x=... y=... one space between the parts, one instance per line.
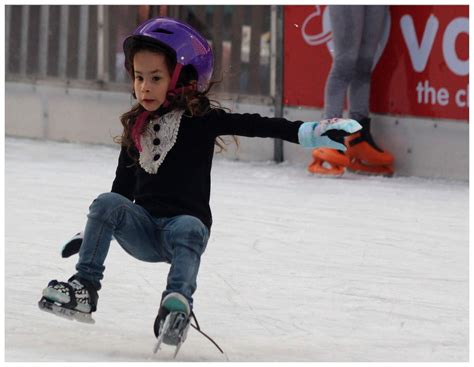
x=324 y=133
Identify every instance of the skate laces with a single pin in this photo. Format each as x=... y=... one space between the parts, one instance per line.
x=198 y=328
x=77 y=285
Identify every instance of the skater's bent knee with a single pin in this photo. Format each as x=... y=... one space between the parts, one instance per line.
x=189 y=227
x=106 y=202
x=191 y=223
x=110 y=199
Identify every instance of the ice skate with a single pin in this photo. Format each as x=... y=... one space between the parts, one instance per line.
x=328 y=162
x=74 y=300
x=365 y=156
x=172 y=322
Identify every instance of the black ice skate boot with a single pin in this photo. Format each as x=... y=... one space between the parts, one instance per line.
x=74 y=300
x=173 y=321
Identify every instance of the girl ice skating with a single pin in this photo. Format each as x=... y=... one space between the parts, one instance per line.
x=158 y=208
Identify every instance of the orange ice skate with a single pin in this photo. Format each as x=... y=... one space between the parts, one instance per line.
x=327 y=161
x=364 y=155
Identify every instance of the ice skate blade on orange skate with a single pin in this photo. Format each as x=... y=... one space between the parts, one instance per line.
x=328 y=162
x=321 y=168
x=383 y=170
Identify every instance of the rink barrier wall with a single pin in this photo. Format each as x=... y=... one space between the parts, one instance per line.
x=422 y=147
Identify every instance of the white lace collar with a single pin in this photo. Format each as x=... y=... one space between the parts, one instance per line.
x=157 y=140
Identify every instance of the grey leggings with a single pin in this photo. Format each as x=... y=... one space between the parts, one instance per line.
x=357 y=30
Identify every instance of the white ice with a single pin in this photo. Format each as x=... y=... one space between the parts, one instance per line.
x=298 y=267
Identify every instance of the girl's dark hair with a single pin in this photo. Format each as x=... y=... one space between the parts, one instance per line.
x=192 y=101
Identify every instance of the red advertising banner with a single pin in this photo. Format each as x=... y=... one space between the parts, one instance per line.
x=421 y=65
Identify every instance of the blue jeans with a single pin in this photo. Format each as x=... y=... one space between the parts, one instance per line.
x=179 y=241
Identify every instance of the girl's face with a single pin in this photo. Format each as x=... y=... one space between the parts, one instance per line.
x=151 y=79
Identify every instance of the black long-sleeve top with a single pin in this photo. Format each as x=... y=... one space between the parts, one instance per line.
x=182 y=183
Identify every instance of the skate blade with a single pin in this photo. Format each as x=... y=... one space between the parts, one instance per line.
x=171 y=333
x=325 y=169
x=161 y=334
x=358 y=167
x=57 y=310
x=159 y=349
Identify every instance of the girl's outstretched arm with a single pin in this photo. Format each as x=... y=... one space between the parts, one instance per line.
x=313 y=134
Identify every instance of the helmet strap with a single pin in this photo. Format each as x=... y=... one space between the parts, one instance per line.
x=172 y=90
x=175 y=76
x=172 y=85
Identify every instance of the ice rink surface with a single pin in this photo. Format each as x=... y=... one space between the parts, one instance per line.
x=298 y=268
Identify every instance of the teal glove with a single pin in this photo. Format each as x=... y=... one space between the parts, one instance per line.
x=321 y=134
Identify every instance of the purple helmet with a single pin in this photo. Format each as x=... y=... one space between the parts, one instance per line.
x=184 y=42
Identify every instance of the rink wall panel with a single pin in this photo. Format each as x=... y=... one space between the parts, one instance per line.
x=422 y=147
